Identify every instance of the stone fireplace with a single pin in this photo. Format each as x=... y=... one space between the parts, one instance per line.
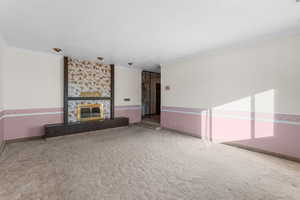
x=89 y=86
x=88 y=99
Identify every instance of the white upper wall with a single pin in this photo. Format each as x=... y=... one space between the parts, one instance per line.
x=2 y=51
x=128 y=84
x=266 y=71
x=35 y=80
x=32 y=79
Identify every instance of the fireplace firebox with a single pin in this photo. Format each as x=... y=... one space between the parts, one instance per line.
x=87 y=112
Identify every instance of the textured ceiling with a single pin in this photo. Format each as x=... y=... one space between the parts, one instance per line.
x=146 y=32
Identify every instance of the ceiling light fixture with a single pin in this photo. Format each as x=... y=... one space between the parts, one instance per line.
x=100 y=58
x=57 y=50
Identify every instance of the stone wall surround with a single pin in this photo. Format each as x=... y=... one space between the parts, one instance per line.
x=88 y=77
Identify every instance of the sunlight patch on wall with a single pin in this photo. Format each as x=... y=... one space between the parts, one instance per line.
x=264 y=114
x=243 y=104
x=232 y=121
x=243 y=119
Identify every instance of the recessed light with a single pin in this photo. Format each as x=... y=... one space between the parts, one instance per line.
x=130 y=63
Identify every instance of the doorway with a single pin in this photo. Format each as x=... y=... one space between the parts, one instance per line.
x=151 y=97
x=157 y=98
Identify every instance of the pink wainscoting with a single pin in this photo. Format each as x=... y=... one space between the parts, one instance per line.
x=29 y=122
x=134 y=113
x=1 y=128
x=186 y=120
x=24 y=123
x=225 y=130
x=285 y=139
x=276 y=133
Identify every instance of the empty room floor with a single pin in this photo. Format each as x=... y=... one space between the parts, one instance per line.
x=135 y=163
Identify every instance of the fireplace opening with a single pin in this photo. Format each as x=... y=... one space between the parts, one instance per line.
x=87 y=112
x=95 y=112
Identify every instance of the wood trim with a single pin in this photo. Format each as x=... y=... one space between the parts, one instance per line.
x=88 y=98
x=66 y=89
x=150 y=95
x=112 y=100
x=151 y=72
x=24 y=139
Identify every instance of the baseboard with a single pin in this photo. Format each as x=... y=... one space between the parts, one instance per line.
x=278 y=155
x=24 y=139
x=2 y=146
x=181 y=132
x=134 y=124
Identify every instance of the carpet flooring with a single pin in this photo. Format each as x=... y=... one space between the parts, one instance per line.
x=135 y=163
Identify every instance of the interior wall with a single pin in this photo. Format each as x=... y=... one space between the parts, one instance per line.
x=128 y=92
x=245 y=94
x=33 y=92
x=35 y=76
x=2 y=52
x=127 y=85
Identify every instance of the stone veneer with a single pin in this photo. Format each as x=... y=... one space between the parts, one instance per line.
x=87 y=76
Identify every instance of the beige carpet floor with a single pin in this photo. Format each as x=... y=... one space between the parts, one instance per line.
x=135 y=163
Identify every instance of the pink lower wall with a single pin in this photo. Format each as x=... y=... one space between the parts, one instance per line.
x=134 y=113
x=26 y=123
x=190 y=124
x=29 y=122
x=1 y=128
x=276 y=133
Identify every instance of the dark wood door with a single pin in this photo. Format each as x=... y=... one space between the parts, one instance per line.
x=158 y=98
